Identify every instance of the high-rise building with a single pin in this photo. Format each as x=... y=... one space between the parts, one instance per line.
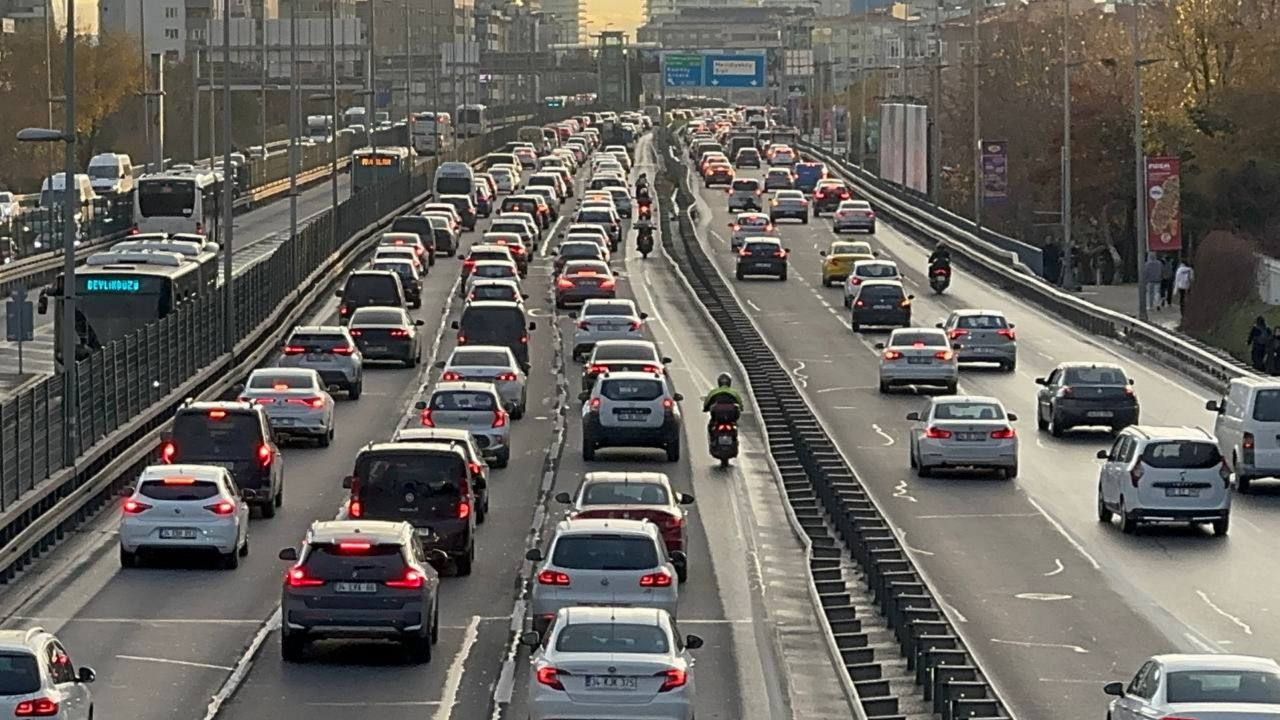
x=161 y=24
x=317 y=8
x=566 y=18
x=30 y=14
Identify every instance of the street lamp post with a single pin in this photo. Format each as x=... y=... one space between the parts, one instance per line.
x=1139 y=164
x=862 y=84
x=228 y=228
x=408 y=88
x=295 y=121
x=333 y=136
x=1068 y=268
x=975 y=54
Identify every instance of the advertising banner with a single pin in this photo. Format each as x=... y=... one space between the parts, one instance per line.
x=995 y=171
x=1164 y=211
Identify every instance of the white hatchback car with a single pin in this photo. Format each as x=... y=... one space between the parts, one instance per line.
x=599 y=319
x=964 y=432
x=918 y=356
x=40 y=680
x=608 y=662
x=185 y=507
x=1164 y=474
x=475 y=407
x=494 y=364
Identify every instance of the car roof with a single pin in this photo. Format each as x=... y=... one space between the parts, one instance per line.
x=882 y=282
x=479 y=348
x=20 y=640
x=427 y=435
x=380 y=532
x=195 y=470
x=410 y=445
x=752 y=216
x=971 y=312
x=874 y=261
x=503 y=263
x=966 y=400
x=1207 y=661
x=626 y=476
x=619 y=343
x=612 y=614
x=495 y=305
x=1170 y=432
x=918 y=330
x=206 y=405
x=320 y=329
x=463 y=386
x=764 y=239
x=283 y=371
x=630 y=375
x=1079 y=365
x=596 y=525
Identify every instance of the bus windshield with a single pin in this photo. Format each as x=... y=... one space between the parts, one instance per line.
x=167 y=198
x=469 y=115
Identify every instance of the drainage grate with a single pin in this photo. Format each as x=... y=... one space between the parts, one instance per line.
x=898 y=647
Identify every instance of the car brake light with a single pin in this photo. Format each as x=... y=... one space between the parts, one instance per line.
x=891 y=355
x=462 y=339
x=608 y=283
x=222 y=507
x=38 y=707
x=658 y=579
x=944 y=355
x=595 y=404
x=636 y=325
x=1128 y=391
x=1008 y=333
x=780 y=253
x=1003 y=434
x=937 y=433
x=1135 y=474
x=264 y=454
x=507 y=377
x=464 y=510
x=564 y=283
x=355 y=508
x=356 y=333
x=524 y=339
x=399 y=333
x=552 y=577
x=583 y=325
x=905 y=303
x=655 y=369
x=858 y=303
x=674 y=678
x=426 y=418
x=450 y=376
x=474 y=468
x=668 y=404
x=343 y=350
x=958 y=333
x=297 y=577
x=169 y=451
x=133 y=507
x=217 y=414
x=550 y=677
x=499 y=418
x=354 y=547
x=343 y=309
x=293 y=350
x=597 y=369
x=313 y=402
x=411 y=580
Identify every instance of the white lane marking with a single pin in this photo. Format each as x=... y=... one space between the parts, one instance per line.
x=888 y=440
x=389 y=703
x=801 y=377
x=900 y=491
x=754 y=306
x=1045 y=597
x=959 y=616
x=167 y=661
x=453 y=680
x=1059 y=568
x=918 y=551
x=138 y=621
x=841 y=389
x=976 y=516
x=1063 y=532
x=243 y=664
x=1234 y=620
x=1204 y=646
x=1072 y=681
x=1059 y=646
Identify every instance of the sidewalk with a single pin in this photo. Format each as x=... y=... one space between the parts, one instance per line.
x=1124 y=299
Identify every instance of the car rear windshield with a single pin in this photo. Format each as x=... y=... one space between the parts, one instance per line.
x=982 y=322
x=371 y=289
x=281 y=381
x=400 y=267
x=494 y=271
x=217 y=434
x=1182 y=454
x=753 y=221
x=19 y=673
x=612 y=638
x=604 y=552
x=604 y=352
x=462 y=400
x=587 y=266
x=1266 y=406
x=541 y=180
x=497 y=322
x=337 y=562
x=762 y=247
x=1223 y=686
x=522 y=205
x=489 y=255
x=416 y=224
x=592 y=216
x=1096 y=376
x=632 y=389
x=746 y=185
x=875 y=293
x=968 y=411
x=178 y=490
x=580 y=249
x=878 y=270
x=608 y=308
x=928 y=339
x=320 y=342
x=481 y=358
x=377 y=316
x=622 y=493
x=460 y=202
x=493 y=291
x=515 y=228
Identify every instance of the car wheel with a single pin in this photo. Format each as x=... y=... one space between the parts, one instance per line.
x=244 y=546
x=911 y=458
x=325 y=438
x=1104 y=512
x=1010 y=472
x=951 y=388
x=1222 y=525
x=418 y=648
x=804 y=220
x=463 y=564
x=482 y=512
x=435 y=624
x=673 y=451
x=128 y=559
x=588 y=449
x=783 y=276
x=503 y=458
x=518 y=413
x=1127 y=523
x=884 y=387
x=416 y=304
x=231 y=560
x=826 y=282
x=268 y=509
x=1041 y=423
x=738 y=274
x=924 y=471
x=292 y=647
x=1055 y=424
x=854 y=326
x=353 y=393
x=1243 y=483
x=1010 y=366
x=682 y=573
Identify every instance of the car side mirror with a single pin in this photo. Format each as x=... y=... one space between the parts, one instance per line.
x=289 y=553
x=1114 y=688
x=1103 y=454
x=346 y=482
x=875 y=253
x=677 y=397
x=86 y=674
x=573 y=314
x=439 y=365
x=510 y=407
x=911 y=297
x=1013 y=417
x=823 y=253
x=564 y=498
x=666 y=361
x=678 y=557
x=419 y=323
x=644 y=316
x=1042 y=381
x=1130 y=381
x=533 y=326
x=337 y=293
x=585 y=395
x=237 y=388
x=685 y=498
x=913 y=416
x=693 y=642
x=1213 y=406
x=956 y=346
x=455 y=325
x=524 y=296
x=531 y=639
x=533 y=555
x=938 y=325
x=438 y=559
x=880 y=346
x=1012 y=326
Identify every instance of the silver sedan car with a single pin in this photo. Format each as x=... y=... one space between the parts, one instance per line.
x=1208 y=686
x=601 y=662
x=854 y=215
x=964 y=432
x=296 y=402
x=599 y=319
x=750 y=224
x=789 y=204
x=918 y=356
x=983 y=336
x=491 y=364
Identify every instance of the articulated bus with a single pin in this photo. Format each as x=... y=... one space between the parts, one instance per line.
x=178 y=203
x=370 y=167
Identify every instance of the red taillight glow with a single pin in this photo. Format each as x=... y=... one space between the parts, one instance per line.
x=597 y=369
x=356 y=333
x=944 y=354
x=217 y=414
x=595 y=404
x=133 y=507
x=891 y=355
x=550 y=677
x=608 y=283
x=399 y=333
x=264 y=455
x=1004 y=434
x=411 y=580
x=674 y=678
x=343 y=310
x=564 y=283
x=426 y=418
x=464 y=510
x=1246 y=442
x=168 y=452
x=223 y=507
x=858 y=303
x=499 y=418
x=668 y=404
x=1008 y=333
x=658 y=579
x=450 y=376
x=354 y=547
x=343 y=350
x=355 y=508
x=297 y=577
x=507 y=377
x=552 y=577
x=293 y=350
x=937 y=433
x=957 y=333
x=39 y=707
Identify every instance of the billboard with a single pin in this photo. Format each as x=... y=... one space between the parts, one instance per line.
x=995 y=171
x=1164 y=204
x=904 y=145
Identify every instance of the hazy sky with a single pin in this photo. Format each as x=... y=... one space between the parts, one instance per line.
x=624 y=14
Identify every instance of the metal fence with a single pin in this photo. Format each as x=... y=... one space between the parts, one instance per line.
x=125 y=380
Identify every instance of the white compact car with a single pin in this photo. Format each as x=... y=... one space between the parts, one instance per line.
x=1209 y=686
x=185 y=508
x=918 y=356
x=1164 y=474
x=296 y=401
x=964 y=432
x=605 y=320
x=494 y=364
x=40 y=680
x=475 y=407
x=864 y=270
x=611 y=662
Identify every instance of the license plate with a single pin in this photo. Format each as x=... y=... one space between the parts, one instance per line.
x=424 y=531
x=1099 y=414
x=630 y=416
x=881 y=307
x=376 y=348
x=760 y=265
x=919 y=360
x=355 y=587
x=610 y=682
x=177 y=533
x=970 y=436
x=1182 y=492
x=317 y=357
x=282 y=421
x=982 y=350
x=724 y=440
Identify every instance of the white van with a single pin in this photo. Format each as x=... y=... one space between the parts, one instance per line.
x=53 y=190
x=1248 y=428
x=111 y=174
x=454 y=178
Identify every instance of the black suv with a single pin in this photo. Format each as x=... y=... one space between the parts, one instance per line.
x=233 y=435
x=427 y=485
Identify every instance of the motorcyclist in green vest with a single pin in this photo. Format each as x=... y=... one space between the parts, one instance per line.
x=724 y=403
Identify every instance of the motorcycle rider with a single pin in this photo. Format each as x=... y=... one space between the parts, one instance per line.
x=642 y=185
x=724 y=403
x=940 y=258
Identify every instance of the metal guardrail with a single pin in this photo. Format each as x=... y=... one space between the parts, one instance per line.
x=129 y=390
x=1004 y=269
x=834 y=509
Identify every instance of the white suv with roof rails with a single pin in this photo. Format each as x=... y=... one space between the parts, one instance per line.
x=631 y=409
x=1164 y=474
x=39 y=679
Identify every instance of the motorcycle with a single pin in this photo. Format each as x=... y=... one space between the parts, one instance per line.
x=939 y=278
x=722 y=437
x=644 y=241
x=645 y=210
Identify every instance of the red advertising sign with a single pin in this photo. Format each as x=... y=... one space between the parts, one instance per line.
x=1164 y=211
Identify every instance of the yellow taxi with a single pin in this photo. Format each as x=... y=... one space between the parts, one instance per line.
x=838 y=260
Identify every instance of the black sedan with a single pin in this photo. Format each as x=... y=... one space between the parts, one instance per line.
x=762 y=256
x=386 y=333
x=1083 y=394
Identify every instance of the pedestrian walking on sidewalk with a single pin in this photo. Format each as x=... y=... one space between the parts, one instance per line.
x=1152 y=271
x=1258 y=336
x=1273 y=352
x=1166 y=281
x=1182 y=280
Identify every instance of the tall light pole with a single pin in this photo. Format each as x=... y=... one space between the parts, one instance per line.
x=48 y=72
x=1068 y=268
x=146 y=84
x=371 y=104
x=1139 y=165
x=408 y=89
x=228 y=245
x=862 y=84
x=333 y=135
x=976 y=54
x=295 y=121
x=262 y=96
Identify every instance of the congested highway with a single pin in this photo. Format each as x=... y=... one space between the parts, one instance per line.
x=1052 y=602
x=167 y=637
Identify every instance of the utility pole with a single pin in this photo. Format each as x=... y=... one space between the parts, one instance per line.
x=295 y=119
x=146 y=99
x=195 y=104
x=1068 y=267
x=371 y=104
x=975 y=56
x=935 y=128
x=228 y=246
x=1139 y=165
x=408 y=90
x=48 y=75
x=70 y=201
x=262 y=97
x=862 y=85
x=333 y=135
